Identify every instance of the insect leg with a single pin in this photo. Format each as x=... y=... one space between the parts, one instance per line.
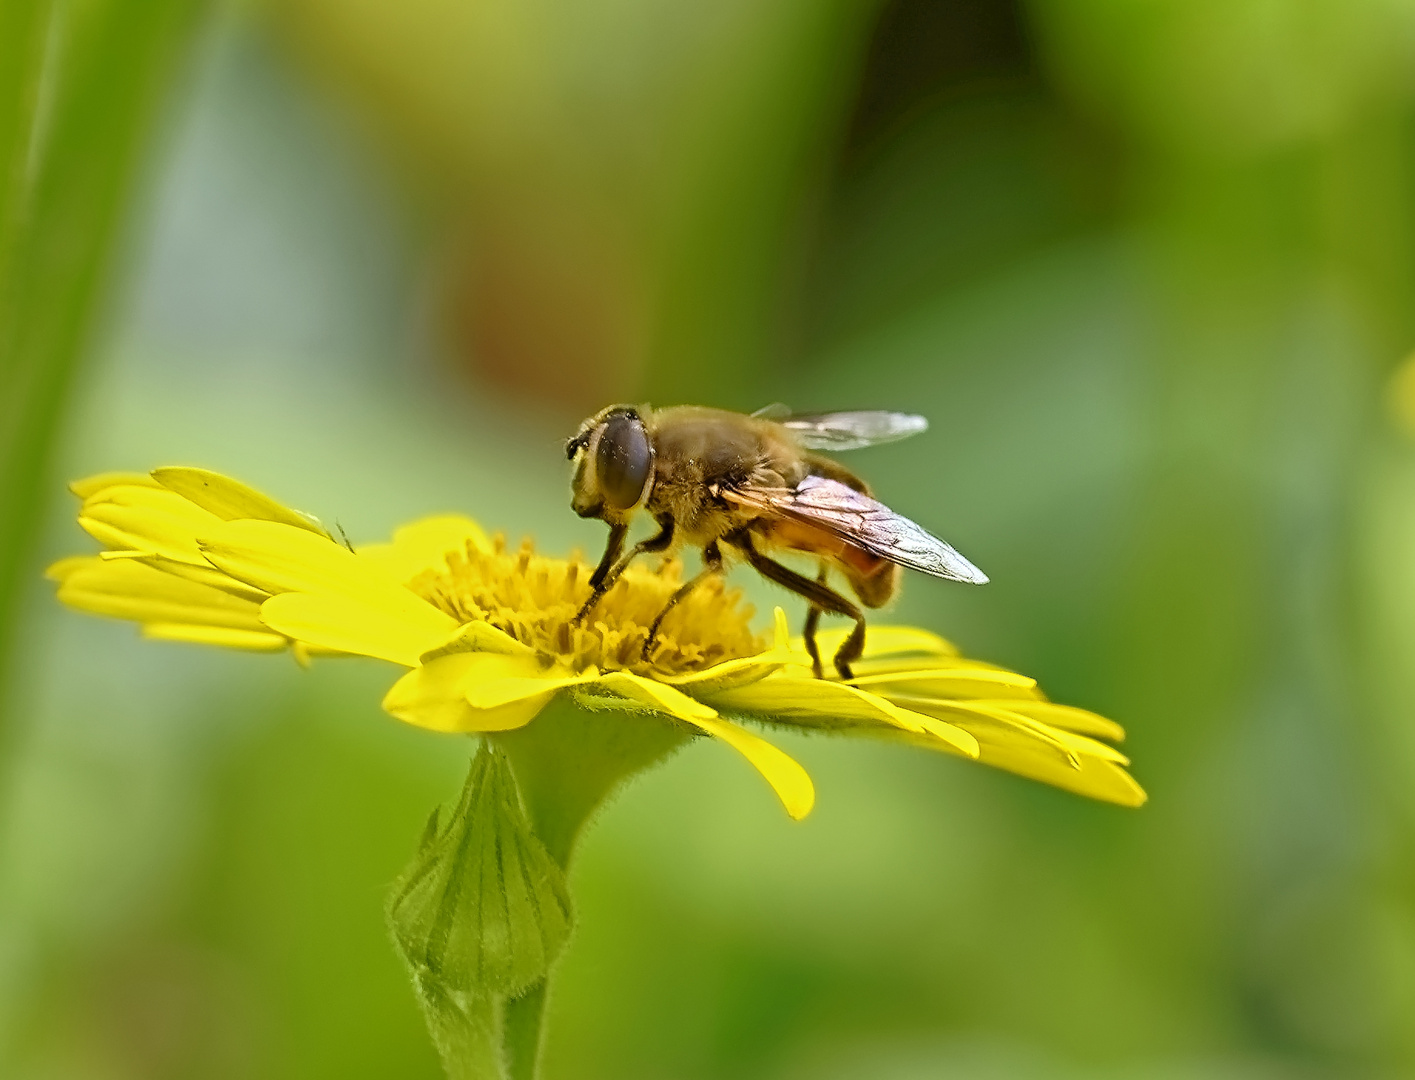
x=813 y=618
x=606 y=578
x=821 y=596
x=612 y=551
x=850 y=650
x=712 y=564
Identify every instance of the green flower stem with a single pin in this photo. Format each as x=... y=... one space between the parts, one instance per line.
x=523 y=1031
x=464 y=1031
x=567 y=762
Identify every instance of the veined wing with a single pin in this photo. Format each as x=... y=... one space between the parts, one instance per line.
x=864 y=522
x=845 y=430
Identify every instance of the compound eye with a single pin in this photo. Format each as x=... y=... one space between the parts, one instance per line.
x=623 y=459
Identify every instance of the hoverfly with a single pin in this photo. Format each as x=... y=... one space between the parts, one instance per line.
x=753 y=485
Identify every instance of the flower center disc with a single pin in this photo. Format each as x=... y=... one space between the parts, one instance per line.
x=534 y=599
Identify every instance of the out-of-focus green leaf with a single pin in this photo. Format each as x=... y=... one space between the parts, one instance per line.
x=78 y=87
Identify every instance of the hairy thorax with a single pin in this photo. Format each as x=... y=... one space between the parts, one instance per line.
x=700 y=452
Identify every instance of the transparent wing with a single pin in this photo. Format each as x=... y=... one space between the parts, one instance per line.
x=864 y=522
x=848 y=430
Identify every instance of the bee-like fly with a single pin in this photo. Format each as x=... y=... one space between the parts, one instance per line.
x=753 y=485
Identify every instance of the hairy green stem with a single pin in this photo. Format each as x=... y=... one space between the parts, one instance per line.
x=567 y=762
x=523 y=1032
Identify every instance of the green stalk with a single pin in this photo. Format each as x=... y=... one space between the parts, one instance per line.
x=567 y=763
x=523 y=1032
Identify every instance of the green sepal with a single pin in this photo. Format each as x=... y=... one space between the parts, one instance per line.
x=483 y=909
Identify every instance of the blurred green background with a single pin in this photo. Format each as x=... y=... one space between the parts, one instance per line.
x=1147 y=267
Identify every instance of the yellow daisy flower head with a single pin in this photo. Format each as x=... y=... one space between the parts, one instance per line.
x=487 y=639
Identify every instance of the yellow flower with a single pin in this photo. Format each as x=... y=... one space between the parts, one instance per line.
x=1402 y=395
x=486 y=636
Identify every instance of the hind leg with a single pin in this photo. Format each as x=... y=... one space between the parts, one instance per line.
x=817 y=594
x=813 y=618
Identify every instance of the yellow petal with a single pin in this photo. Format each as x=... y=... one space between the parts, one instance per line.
x=955 y=737
x=1083 y=774
x=815 y=702
x=480 y=636
x=492 y=693
x=730 y=674
x=280 y=558
x=995 y=726
x=229 y=499
x=790 y=782
x=90 y=486
x=953 y=681
x=251 y=640
x=1083 y=746
x=424 y=545
x=743 y=671
x=1070 y=743
x=655 y=695
x=1092 y=777
x=435 y=695
x=1068 y=718
x=508 y=717
x=305 y=653
x=126 y=589
x=65 y=568
x=205 y=574
x=148 y=519
x=401 y=634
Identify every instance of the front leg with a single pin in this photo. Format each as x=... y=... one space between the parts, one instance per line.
x=612 y=551
x=608 y=571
